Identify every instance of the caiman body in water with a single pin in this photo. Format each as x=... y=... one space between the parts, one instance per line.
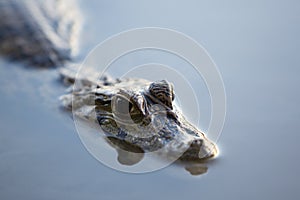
x=137 y=112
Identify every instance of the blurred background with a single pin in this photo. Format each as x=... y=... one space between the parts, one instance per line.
x=256 y=47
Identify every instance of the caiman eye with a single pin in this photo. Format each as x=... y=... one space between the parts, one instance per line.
x=129 y=107
x=123 y=106
x=163 y=91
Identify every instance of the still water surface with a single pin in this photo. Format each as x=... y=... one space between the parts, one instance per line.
x=255 y=46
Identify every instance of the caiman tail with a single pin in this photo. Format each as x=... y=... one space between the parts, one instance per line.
x=39 y=33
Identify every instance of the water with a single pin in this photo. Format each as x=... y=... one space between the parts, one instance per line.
x=255 y=46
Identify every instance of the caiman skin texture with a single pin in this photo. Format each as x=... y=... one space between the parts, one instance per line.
x=138 y=112
x=37 y=33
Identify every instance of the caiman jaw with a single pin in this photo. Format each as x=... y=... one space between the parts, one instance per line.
x=200 y=148
x=208 y=150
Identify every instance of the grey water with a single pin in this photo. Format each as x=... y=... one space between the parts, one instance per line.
x=256 y=47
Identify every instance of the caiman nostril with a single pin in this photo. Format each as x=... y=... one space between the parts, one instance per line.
x=196 y=143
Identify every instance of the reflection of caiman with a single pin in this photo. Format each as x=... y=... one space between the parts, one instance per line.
x=132 y=112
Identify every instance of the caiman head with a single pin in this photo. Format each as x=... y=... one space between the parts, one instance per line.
x=143 y=113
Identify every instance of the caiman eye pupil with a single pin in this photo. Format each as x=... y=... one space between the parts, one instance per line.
x=123 y=106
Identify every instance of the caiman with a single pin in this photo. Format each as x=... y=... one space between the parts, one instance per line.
x=131 y=112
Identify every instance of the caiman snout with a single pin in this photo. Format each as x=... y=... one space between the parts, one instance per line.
x=200 y=149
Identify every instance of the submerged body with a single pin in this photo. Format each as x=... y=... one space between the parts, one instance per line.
x=131 y=112
x=39 y=33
